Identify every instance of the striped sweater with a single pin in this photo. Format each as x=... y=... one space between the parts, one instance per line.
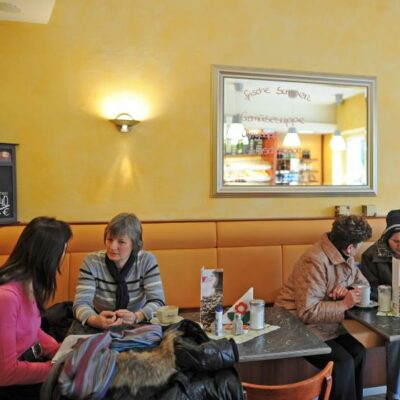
x=96 y=290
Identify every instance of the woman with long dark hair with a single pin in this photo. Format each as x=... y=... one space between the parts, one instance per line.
x=27 y=283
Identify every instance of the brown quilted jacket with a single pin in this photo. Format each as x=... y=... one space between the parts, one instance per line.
x=306 y=293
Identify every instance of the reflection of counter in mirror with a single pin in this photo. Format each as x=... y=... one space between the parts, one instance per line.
x=331 y=119
x=295 y=167
x=308 y=174
x=246 y=169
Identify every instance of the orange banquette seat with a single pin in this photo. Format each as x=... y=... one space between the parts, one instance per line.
x=257 y=253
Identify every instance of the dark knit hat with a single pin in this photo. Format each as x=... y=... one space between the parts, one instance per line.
x=392 y=224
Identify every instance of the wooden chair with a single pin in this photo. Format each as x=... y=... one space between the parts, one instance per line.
x=318 y=386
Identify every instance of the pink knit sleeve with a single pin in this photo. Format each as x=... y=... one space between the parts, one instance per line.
x=12 y=371
x=48 y=343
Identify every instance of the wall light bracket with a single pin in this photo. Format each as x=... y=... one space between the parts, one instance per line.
x=124 y=122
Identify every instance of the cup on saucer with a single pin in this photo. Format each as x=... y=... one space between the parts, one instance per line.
x=167 y=314
x=365 y=292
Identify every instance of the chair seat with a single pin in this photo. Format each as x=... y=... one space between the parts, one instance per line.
x=319 y=385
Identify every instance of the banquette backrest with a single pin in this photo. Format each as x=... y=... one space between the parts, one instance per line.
x=258 y=253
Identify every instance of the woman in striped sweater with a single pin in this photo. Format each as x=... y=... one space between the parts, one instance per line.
x=121 y=284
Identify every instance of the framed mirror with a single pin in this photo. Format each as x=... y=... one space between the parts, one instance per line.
x=288 y=133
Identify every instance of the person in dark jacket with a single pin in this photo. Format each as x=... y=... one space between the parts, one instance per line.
x=377 y=268
x=377 y=259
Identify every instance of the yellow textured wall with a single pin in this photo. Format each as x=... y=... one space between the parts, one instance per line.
x=56 y=81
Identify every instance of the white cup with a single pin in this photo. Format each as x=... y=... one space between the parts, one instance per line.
x=365 y=292
x=167 y=314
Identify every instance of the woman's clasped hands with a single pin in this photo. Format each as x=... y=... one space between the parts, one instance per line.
x=107 y=319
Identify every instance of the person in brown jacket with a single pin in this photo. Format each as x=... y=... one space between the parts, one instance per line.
x=319 y=291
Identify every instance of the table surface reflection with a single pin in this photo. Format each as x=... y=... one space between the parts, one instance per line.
x=293 y=339
x=388 y=327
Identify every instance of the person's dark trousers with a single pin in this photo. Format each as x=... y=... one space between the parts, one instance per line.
x=348 y=356
x=393 y=370
x=20 y=392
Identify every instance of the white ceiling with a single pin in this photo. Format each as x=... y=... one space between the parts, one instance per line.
x=33 y=11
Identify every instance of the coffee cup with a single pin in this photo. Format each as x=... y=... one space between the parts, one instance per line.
x=167 y=314
x=365 y=292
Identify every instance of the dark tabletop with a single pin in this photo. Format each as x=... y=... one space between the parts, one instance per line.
x=293 y=339
x=388 y=327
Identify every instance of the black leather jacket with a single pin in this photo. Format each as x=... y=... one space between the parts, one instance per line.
x=205 y=366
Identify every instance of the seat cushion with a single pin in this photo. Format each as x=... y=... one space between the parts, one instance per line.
x=180 y=274
x=179 y=235
x=245 y=267
x=8 y=238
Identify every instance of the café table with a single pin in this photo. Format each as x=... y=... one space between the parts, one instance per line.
x=292 y=339
x=276 y=357
x=388 y=327
x=271 y=358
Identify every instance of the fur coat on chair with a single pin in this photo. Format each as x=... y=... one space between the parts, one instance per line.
x=187 y=365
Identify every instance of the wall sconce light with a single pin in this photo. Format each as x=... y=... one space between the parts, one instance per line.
x=124 y=122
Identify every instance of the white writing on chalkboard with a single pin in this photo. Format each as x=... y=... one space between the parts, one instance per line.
x=4 y=204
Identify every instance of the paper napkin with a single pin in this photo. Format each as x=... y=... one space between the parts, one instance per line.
x=241 y=306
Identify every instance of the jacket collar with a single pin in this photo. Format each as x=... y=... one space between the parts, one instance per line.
x=334 y=255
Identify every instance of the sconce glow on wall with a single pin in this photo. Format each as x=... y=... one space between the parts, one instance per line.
x=124 y=122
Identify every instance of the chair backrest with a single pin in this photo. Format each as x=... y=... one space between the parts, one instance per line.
x=319 y=386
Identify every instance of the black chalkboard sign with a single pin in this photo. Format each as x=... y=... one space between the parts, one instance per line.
x=8 y=197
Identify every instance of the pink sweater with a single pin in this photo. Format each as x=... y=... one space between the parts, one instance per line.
x=20 y=329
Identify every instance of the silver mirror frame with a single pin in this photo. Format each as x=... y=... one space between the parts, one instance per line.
x=219 y=72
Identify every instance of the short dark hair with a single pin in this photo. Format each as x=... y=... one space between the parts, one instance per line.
x=37 y=257
x=348 y=230
x=126 y=224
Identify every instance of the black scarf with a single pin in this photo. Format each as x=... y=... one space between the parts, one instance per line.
x=119 y=276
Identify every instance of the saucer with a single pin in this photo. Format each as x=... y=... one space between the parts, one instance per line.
x=371 y=304
x=155 y=321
